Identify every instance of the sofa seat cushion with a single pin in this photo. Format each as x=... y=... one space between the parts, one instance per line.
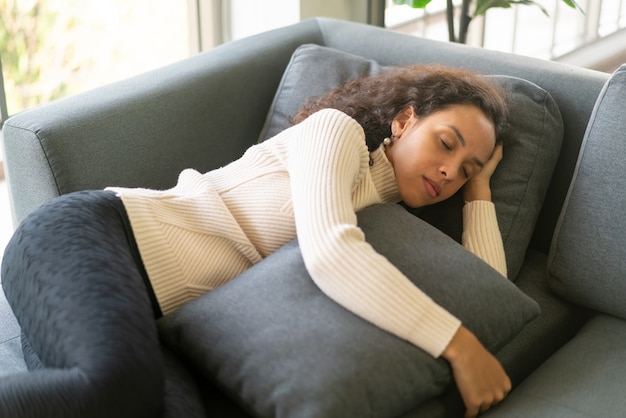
x=11 y=359
x=531 y=147
x=585 y=378
x=273 y=341
x=557 y=323
x=588 y=255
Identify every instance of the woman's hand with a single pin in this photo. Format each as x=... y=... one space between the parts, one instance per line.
x=480 y=378
x=478 y=187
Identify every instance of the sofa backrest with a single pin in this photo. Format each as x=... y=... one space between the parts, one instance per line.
x=205 y=111
x=587 y=262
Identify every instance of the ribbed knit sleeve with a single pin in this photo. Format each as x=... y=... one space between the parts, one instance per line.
x=481 y=234
x=327 y=159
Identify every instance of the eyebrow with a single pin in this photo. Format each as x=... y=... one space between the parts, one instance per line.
x=460 y=138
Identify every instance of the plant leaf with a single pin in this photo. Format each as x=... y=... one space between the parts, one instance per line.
x=416 y=4
x=483 y=5
x=543 y=9
x=574 y=5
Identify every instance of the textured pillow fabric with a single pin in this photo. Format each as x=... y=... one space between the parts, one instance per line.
x=311 y=72
x=531 y=148
x=278 y=345
x=587 y=261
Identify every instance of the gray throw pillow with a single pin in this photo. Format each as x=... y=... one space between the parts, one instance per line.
x=587 y=260
x=311 y=72
x=274 y=342
x=519 y=185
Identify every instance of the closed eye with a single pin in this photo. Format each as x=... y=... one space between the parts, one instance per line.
x=466 y=173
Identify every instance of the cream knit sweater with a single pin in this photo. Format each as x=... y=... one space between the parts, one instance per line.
x=307 y=181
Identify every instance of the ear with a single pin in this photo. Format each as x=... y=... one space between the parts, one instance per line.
x=402 y=122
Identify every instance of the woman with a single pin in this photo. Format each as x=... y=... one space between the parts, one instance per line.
x=414 y=134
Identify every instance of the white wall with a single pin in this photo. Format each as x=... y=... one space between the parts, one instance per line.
x=247 y=17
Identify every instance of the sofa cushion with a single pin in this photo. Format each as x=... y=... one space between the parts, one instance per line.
x=276 y=343
x=588 y=256
x=311 y=72
x=585 y=378
x=531 y=147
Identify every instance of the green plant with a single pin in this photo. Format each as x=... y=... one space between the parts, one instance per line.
x=480 y=8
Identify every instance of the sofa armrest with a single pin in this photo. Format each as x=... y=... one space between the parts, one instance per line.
x=201 y=112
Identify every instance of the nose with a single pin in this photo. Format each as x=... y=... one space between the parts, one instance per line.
x=448 y=172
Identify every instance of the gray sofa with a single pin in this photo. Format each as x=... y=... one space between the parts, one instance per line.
x=205 y=111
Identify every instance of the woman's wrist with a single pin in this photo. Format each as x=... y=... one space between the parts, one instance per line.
x=455 y=348
x=477 y=191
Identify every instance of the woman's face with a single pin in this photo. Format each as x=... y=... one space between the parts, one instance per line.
x=434 y=156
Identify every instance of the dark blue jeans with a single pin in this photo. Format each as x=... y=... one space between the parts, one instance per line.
x=74 y=278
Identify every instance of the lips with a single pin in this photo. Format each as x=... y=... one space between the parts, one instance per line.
x=432 y=188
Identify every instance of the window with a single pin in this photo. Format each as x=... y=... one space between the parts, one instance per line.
x=54 y=48
x=521 y=29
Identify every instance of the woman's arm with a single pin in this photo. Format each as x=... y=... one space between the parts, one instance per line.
x=479 y=376
x=481 y=234
x=327 y=159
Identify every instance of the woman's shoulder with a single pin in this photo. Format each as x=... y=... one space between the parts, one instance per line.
x=334 y=121
x=334 y=114
x=326 y=129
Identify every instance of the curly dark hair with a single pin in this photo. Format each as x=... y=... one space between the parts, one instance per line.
x=375 y=100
